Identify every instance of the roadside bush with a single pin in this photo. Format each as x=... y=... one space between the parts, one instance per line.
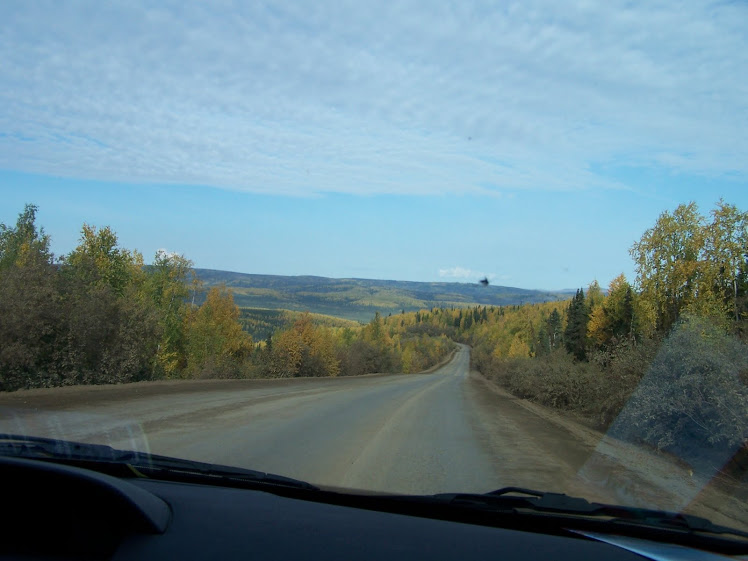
x=555 y=380
x=623 y=369
x=692 y=401
x=104 y=339
x=363 y=357
x=422 y=352
x=218 y=368
x=29 y=318
x=558 y=380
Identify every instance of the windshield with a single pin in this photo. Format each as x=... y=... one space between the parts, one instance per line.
x=418 y=247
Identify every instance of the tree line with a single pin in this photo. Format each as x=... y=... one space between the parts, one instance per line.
x=101 y=315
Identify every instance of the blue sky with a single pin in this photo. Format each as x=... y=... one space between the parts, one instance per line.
x=531 y=142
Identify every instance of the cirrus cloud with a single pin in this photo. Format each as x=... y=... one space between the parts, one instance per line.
x=413 y=97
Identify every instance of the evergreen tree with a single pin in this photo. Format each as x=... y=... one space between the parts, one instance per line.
x=542 y=344
x=269 y=343
x=575 y=334
x=554 y=328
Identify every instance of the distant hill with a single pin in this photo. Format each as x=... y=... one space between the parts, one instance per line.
x=359 y=299
x=261 y=322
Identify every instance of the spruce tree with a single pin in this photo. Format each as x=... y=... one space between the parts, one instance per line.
x=575 y=334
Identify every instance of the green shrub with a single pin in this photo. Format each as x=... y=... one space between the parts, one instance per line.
x=692 y=401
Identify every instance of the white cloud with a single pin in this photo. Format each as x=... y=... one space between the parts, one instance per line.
x=456 y=273
x=463 y=273
x=162 y=253
x=418 y=97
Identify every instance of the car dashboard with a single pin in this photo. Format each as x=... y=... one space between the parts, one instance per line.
x=58 y=511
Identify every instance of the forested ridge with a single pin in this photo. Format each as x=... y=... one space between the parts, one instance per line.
x=360 y=299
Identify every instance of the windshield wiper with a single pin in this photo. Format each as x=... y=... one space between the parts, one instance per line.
x=138 y=463
x=36 y=447
x=518 y=500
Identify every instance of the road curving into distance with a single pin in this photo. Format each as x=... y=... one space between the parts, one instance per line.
x=448 y=430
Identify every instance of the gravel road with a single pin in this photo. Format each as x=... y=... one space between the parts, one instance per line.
x=417 y=433
x=448 y=430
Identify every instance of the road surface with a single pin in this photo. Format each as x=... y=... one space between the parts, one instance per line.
x=449 y=430
x=417 y=433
